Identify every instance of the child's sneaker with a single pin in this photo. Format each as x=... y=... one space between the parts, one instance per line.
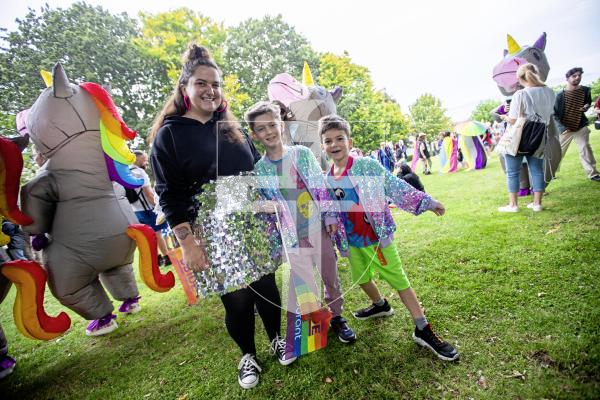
x=131 y=306
x=374 y=311
x=249 y=371
x=340 y=327
x=102 y=326
x=428 y=338
x=279 y=349
x=7 y=365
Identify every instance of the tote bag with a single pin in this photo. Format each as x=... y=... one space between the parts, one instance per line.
x=509 y=142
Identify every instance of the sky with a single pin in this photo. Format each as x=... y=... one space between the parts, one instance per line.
x=446 y=48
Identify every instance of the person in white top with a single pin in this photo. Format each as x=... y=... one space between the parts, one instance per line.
x=144 y=206
x=536 y=102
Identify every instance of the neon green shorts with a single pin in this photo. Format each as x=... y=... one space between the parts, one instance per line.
x=364 y=261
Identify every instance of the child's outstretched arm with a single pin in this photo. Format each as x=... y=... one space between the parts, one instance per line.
x=407 y=197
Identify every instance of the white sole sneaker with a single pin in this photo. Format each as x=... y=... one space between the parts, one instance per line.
x=380 y=314
x=423 y=343
x=134 y=309
x=287 y=361
x=508 y=209
x=248 y=385
x=534 y=207
x=103 y=331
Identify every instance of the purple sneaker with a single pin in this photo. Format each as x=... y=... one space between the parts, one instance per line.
x=131 y=306
x=524 y=192
x=102 y=326
x=7 y=365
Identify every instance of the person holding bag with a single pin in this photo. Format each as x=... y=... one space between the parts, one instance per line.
x=529 y=116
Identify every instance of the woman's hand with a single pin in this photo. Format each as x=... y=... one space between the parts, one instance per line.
x=438 y=209
x=194 y=257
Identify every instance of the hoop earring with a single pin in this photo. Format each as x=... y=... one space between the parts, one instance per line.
x=186 y=103
x=223 y=106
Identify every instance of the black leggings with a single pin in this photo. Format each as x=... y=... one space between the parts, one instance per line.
x=239 y=312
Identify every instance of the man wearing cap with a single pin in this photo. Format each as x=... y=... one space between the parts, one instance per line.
x=569 y=108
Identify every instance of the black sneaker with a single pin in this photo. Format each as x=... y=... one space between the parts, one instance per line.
x=340 y=327
x=428 y=338
x=278 y=348
x=374 y=311
x=595 y=178
x=249 y=371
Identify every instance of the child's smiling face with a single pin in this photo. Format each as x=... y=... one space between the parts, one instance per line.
x=336 y=144
x=267 y=130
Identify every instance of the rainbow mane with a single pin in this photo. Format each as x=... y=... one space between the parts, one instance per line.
x=113 y=134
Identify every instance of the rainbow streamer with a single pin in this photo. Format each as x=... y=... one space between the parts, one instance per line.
x=474 y=156
x=449 y=155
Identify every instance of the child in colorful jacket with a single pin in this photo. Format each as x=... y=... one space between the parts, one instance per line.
x=363 y=187
x=291 y=176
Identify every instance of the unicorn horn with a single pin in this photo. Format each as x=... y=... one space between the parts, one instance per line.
x=60 y=82
x=513 y=46
x=47 y=77
x=307 y=78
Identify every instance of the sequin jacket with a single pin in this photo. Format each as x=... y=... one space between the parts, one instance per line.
x=375 y=186
x=310 y=172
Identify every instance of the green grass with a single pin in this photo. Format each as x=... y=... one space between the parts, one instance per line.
x=516 y=293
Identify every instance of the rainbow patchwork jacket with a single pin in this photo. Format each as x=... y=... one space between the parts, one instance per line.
x=375 y=186
x=310 y=172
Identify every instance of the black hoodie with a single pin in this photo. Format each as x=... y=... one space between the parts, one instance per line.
x=184 y=157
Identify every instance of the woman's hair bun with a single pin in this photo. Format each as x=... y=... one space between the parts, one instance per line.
x=195 y=52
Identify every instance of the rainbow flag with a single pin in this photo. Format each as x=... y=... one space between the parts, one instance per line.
x=306 y=328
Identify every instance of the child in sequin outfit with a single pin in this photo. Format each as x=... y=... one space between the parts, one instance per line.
x=362 y=187
x=292 y=176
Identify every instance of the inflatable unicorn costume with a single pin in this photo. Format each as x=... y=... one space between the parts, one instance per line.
x=505 y=76
x=72 y=199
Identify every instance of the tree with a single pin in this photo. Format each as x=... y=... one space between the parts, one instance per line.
x=428 y=116
x=257 y=50
x=166 y=35
x=374 y=116
x=93 y=45
x=481 y=113
x=595 y=86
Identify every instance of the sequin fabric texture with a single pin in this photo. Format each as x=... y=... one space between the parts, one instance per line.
x=309 y=171
x=242 y=244
x=375 y=186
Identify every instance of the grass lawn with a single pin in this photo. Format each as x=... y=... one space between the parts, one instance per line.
x=518 y=294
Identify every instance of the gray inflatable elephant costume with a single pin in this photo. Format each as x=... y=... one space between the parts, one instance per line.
x=73 y=200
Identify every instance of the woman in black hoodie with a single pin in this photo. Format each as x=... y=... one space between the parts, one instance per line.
x=195 y=138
